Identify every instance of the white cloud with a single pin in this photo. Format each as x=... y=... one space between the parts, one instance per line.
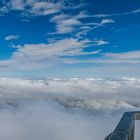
x=64 y=109
x=105 y=60
x=105 y=21
x=136 y=11
x=16 y=4
x=101 y=23
x=30 y=56
x=109 y=64
x=65 y=23
x=31 y=7
x=44 y=8
x=99 y=42
x=125 y=55
x=85 y=28
x=37 y=7
x=54 y=49
x=82 y=33
x=12 y=37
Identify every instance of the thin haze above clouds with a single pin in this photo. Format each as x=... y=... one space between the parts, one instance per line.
x=58 y=109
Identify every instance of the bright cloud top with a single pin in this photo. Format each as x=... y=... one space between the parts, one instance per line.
x=64 y=109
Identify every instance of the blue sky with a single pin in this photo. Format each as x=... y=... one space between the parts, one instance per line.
x=69 y=38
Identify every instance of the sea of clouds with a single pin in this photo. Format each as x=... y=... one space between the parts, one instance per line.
x=65 y=109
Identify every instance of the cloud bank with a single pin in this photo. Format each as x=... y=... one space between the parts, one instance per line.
x=60 y=109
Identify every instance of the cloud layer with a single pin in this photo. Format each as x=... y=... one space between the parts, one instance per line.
x=64 y=109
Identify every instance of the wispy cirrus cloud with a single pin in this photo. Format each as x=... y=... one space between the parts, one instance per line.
x=43 y=8
x=103 y=22
x=136 y=11
x=66 y=23
x=106 y=21
x=85 y=28
x=130 y=57
x=11 y=37
x=99 y=42
x=29 y=8
x=125 y=55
